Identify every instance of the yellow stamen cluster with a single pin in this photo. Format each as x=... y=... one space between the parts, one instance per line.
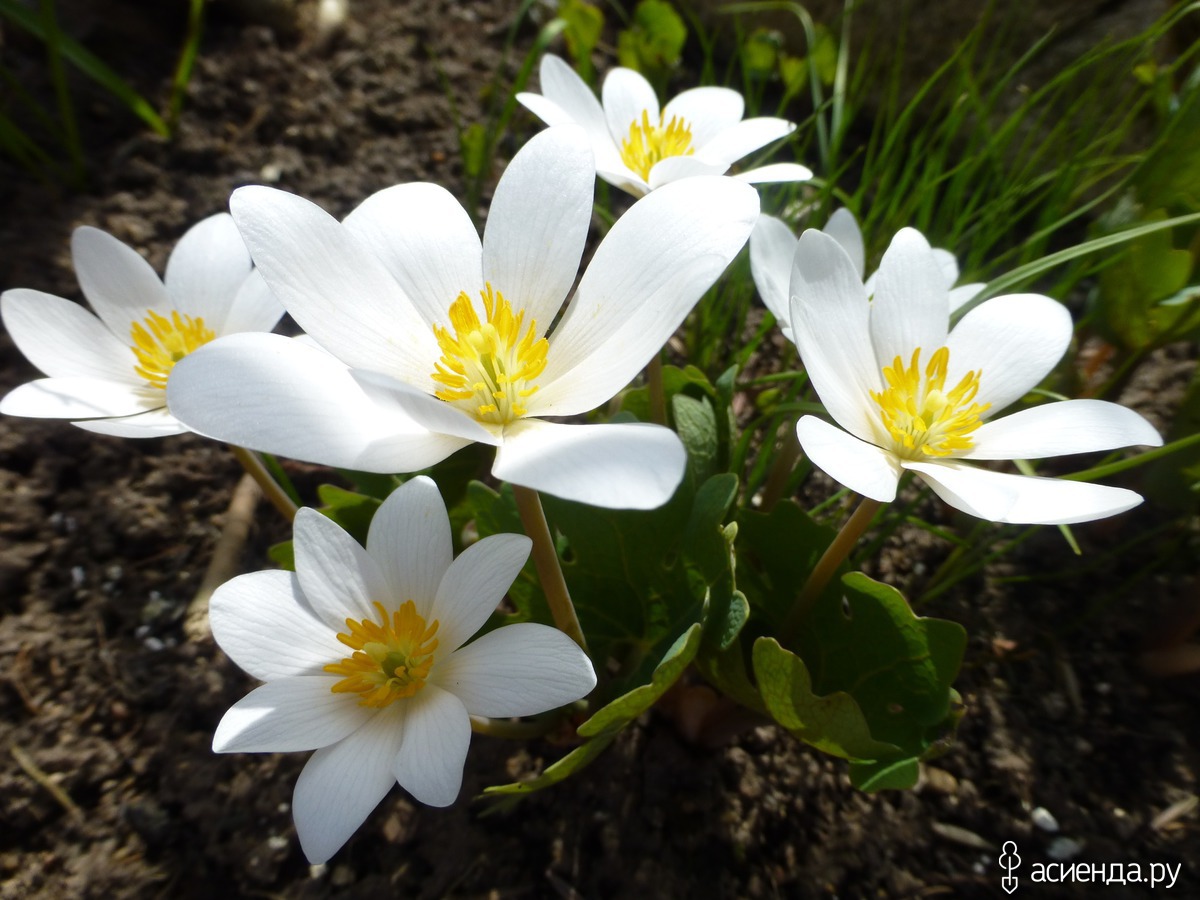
x=922 y=417
x=486 y=367
x=391 y=660
x=162 y=342
x=649 y=144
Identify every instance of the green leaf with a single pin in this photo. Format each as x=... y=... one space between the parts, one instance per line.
x=614 y=716
x=833 y=723
x=871 y=682
x=283 y=555
x=553 y=774
x=474 y=146
x=653 y=43
x=351 y=510
x=496 y=513
x=777 y=551
x=696 y=423
x=703 y=538
x=760 y=52
x=582 y=33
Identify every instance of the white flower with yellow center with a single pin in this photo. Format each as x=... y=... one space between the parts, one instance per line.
x=772 y=248
x=365 y=657
x=109 y=371
x=912 y=394
x=436 y=339
x=639 y=147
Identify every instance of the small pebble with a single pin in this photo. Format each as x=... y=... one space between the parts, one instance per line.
x=1044 y=820
x=1063 y=849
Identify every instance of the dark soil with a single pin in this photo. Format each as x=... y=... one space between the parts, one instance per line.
x=108 y=786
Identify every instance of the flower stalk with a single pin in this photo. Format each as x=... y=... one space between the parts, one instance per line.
x=833 y=556
x=545 y=558
x=270 y=487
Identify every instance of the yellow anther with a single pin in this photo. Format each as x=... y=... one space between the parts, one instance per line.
x=486 y=366
x=161 y=342
x=391 y=659
x=918 y=413
x=649 y=144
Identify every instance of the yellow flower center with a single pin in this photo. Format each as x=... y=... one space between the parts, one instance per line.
x=161 y=342
x=648 y=144
x=922 y=417
x=486 y=367
x=391 y=660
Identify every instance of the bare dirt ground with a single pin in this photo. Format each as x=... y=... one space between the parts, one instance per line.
x=108 y=786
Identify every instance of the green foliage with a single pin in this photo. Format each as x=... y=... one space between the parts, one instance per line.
x=870 y=682
x=584 y=23
x=653 y=42
x=351 y=510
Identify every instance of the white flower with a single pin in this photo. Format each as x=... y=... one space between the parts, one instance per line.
x=638 y=148
x=109 y=371
x=915 y=395
x=363 y=656
x=437 y=340
x=772 y=248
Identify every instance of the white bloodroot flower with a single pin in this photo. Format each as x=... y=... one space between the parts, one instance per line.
x=109 y=371
x=436 y=340
x=911 y=394
x=365 y=660
x=640 y=148
x=772 y=248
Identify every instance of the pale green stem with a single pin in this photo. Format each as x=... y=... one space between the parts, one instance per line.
x=781 y=468
x=545 y=559
x=270 y=488
x=833 y=556
x=658 y=396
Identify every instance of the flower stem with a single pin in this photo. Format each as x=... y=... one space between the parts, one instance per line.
x=833 y=556
x=545 y=558
x=658 y=396
x=270 y=488
x=781 y=468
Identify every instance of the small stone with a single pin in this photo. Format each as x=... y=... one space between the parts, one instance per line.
x=1063 y=849
x=1042 y=818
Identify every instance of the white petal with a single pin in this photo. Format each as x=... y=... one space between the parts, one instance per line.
x=427 y=242
x=429 y=412
x=437 y=733
x=645 y=277
x=911 y=308
x=155 y=423
x=341 y=784
x=772 y=247
x=745 y=137
x=118 y=283
x=830 y=325
x=625 y=179
x=626 y=95
x=843 y=228
x=624 y=466
x=964 y=294
x=948 y=264
x=206 y=269
x=538 y=223
x=277 y=395
x=708 y=111
x=410 y=540
x=63 y=339
x=1055 y=429
x=570 y=93
x=1013 y=342
x=673 y=168
x=1020 y=499
x=860 y=466
x=254 y=307
x=474 y=585
x=338 y=577
x=518 y=670
x=290 y=714
x=334 y=286
x=74 y=398
x=776 y=173
x=264 y=624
